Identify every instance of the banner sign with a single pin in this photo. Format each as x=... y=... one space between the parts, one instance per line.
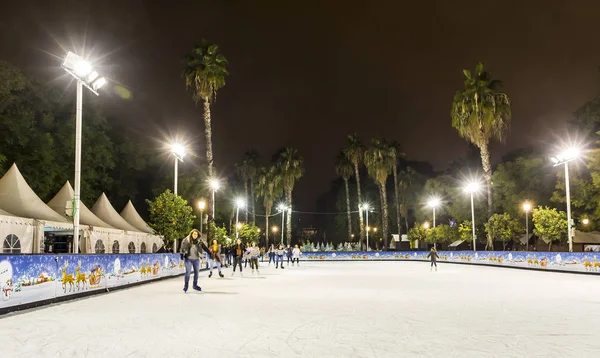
x=30 y=278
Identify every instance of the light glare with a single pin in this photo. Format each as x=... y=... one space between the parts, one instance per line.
x=240 y=203
x=434 y=202
x=82 y=68
x=526 y=206
x=214 y=184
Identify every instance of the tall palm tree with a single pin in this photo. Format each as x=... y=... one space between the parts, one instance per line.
x=379 y=164
x=481 y=113
x=344 y=169
x=204 y=73
x=354 y=151
x=395 y=153
x=291 y=168
x=269 y=187
x=242 y=171
x=247 y=172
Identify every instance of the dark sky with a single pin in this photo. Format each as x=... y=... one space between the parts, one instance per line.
x=307 y=73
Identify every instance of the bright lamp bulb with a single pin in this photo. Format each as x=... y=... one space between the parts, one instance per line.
x=526 y=206
x=240 y=203
x=472 y=188
x=214 y=184
x=202 y=205
x=282 y=207
x=83 y=68
x=434 y=202
x=178 y=150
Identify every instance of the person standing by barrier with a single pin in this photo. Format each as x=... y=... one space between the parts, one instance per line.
x=288 y=253
x=279 y=252
x=254 y=253
x=238 y=254
x=271 y=254
x=433 y=256
x=296 y=255
x=215 y=257
x=191 y=249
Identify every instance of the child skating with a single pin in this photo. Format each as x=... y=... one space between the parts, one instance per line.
x=433 y=256
x=296 y=255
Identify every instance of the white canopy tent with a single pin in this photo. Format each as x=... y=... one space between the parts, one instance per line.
x=105 y=211
x=131 y=216
x=5 y=213
x=86 y=217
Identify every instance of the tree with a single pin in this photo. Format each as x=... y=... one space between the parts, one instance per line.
x=247 y=172
x=417 y=232
x=379 y=164
x=171 y=217
x=481 y=113
x=394 y=152
x=440 y=234
x=409 y=182
x=269 y=187
x=354 y=151
x=503 y=227
x=465 y=231
x=291 y=168
x=218 y=233
x=549 y=224
x=344 y=169
x=204 y=73
x=249 y=233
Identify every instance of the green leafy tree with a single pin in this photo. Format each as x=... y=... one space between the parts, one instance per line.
x=171 y=217
x=379 y=163
x=344 y=169
x=270 y=188
x=503 y=227
x=249 y=233
x=440 y=234
x=480 y=112
x=550 y=224
x=291 y=168
x=354 y=151
x=204 y=73
x=465 y=231
x=417 y=232
x=218 y=233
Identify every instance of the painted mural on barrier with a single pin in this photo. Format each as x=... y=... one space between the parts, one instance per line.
x=30 y=278
x=575 y=261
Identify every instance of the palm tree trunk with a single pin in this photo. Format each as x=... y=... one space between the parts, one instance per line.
x=288 y=199
x=348 y=210
x=252 y=200
x=406 y=223
x=267 y=213
x=247 y=202
x=384 y=215
x=208 y=134
x=360 y=215
x=487 y=174
x=397 y=202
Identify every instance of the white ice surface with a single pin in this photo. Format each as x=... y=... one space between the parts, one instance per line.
x=337 y=309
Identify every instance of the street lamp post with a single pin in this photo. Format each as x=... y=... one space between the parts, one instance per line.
x=527 y=207
x=214 y=185
x=282 y=208
x=239 y=204
x=471 y=189
x=365 y=207
x=84 y=74
x=434 y=203
x=178 y=152
x=201 y=206
x=564 y=158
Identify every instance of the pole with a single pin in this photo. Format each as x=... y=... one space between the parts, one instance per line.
x=569 y=231
x=434 y=244
x=213 y=204
x=527 y=228
x=473 y=221
x=175 y=182
x=77 y=196
x=367 y=211
x=201 y=223
x=282 y=223
x=237 y=213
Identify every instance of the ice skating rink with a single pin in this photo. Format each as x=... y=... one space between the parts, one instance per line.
x=329 y=309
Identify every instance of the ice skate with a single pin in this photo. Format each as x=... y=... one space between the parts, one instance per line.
x=185 y=288
x=197 y=288
x=233 y=273
x=210 y=275
x=221 y=274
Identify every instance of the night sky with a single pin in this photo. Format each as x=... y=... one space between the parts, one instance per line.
x=307 y=73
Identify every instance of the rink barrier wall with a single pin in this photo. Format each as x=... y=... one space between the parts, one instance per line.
x=32 y=280
x=574 y=262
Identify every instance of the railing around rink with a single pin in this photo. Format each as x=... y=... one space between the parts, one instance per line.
x=28 y=280
x=586 y=262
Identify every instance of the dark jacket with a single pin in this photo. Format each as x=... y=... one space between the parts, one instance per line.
x=192 y=249
x=234 y=250
x=433 y=255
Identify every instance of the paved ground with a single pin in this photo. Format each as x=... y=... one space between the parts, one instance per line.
x=337 y=309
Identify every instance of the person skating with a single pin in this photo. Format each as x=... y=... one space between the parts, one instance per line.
x=238 y=254
x=215 y=257
x=191 y=248
x=288 y=253
x=279 y=252
x=254 y=253
x=296 y=255
x=433 y=255
x=271 y=254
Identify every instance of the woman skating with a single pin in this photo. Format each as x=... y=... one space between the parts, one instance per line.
x=238 y=254
x=279 y=252
x=288 y=254
x=191 y=248
x=215 y=257
x=433 y=255
x=254 y=254
x=271 y=254
x=296 y=255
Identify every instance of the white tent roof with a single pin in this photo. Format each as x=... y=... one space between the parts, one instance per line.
x=86 y=217
x=131 y=216
x=582 y=237
x=105 y=211
x=17 y=198
x=5 y=213
x=456 y=243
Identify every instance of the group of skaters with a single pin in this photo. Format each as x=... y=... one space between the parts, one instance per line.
x=192 y=248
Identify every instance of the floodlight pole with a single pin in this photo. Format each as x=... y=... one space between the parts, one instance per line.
x=282 y=224
x=568 y=192
x=237 y=214
x=176 y=169
x=367 y=213
x=77 y=196
x=473 y=222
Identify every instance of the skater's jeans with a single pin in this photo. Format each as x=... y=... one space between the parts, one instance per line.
x=297 y=261
x=278 y=259
x=433 y=263
x=212 y=264
x=189 y=265
x=271 y=258
x=237 y=261
x=254 y=263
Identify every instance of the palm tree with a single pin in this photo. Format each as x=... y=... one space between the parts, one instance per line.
x=354 y=151
x=204 y=73
x=247 y=171
x=344 y=169
x=379 y=164
x=291 y=168
x=406 y=181
x=394 y=153
x=269 y=188
x=481 y=113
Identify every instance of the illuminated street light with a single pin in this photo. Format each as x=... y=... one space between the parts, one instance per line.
x=239 y=203
x=472 y=188
x=178 y=152
x=426 y=225
x=585 y=221
x=527 y=208
x=215 y=185
x=85 y=75
x=274 y=229
x=434 y=203
x=565 y=157
x=365 y=207
x=201 y=206
x=282 y=207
